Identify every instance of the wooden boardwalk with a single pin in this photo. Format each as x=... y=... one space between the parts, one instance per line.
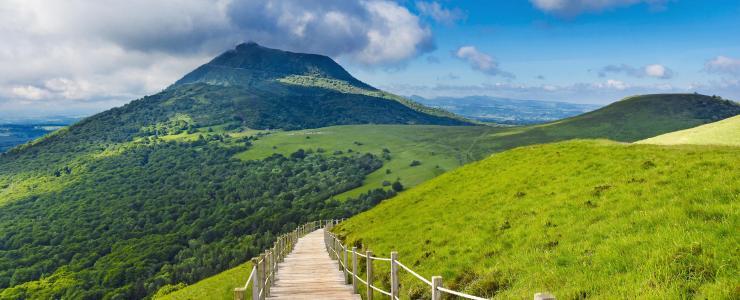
x=309 y=273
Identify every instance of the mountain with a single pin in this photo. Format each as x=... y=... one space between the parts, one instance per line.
x=724 y=132
x=580 y=219
x=270 y=88
x=505 y=110
x=250 y=64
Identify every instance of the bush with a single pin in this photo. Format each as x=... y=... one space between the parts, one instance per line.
x=415 y=163
x=397 y=186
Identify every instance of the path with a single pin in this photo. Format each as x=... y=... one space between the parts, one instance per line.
x=309 y=273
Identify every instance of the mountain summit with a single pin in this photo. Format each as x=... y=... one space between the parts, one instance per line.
x=249 y=64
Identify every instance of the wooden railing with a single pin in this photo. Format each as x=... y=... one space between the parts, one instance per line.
x=337 y=250
x=264 y=267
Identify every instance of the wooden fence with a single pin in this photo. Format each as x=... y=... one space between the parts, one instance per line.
x=337 y=250
x=264 y=269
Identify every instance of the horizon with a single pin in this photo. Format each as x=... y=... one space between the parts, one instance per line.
x=77 y=59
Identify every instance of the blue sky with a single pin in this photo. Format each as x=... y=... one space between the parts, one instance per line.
x=83 y=56
x=542 y=48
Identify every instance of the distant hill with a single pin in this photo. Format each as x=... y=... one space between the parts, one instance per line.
x=639 y=117
x=505 y=110
x=724 y=132
x=580 y=219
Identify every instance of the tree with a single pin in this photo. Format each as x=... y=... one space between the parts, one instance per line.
x=397 y=186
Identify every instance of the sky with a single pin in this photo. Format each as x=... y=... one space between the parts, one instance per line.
x=78 y=57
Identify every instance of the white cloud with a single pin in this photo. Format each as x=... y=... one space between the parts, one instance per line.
x=29 y=92
x=480 y=61
x=613 y=84
x=109 y=52
x=652 y=70
x=570 y=8
x=439 y=13
x=723 y=65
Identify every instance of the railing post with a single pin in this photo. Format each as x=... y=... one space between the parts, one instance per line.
x=344 y=252
x=394 y=275
x=544 y=296
x=436 y=282
x=262 y=277
x=369 y=274
x=270 y=267
x=239 y=293
x=274 y=266
x=256 y=286
x=354 y=270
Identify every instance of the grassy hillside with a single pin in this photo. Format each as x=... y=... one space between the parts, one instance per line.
x=441 y=148
x=724 y=132
x=436 y=148
x=220 y=286
x=593 y=219
x=639 y=117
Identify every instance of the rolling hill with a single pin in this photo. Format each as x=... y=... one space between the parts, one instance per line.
x=593 y=219
x=443 y=148
x=724 y=132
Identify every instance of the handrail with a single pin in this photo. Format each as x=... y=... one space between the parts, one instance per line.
x=414 y=273
x=264 y=271
x=251 y=274
x=466 y=296
x=333 y=243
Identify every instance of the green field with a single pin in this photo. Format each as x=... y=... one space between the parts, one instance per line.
x=220 y=286
x=438 y=148
x=581 y=219
x=725 y=132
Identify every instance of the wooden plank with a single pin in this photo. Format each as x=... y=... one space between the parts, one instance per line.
x=309 y=273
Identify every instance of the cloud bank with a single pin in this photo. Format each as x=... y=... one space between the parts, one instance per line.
x=88 y=54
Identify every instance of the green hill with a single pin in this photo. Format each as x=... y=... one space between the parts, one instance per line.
x=441 y=148
x=724 y=132
x=582 y=219
x=639 y=117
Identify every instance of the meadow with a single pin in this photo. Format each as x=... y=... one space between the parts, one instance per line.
x=581 y=219
x=724 y=132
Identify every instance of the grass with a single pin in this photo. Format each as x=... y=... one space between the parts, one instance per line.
x=219 y=286
x=438 y=148
x=593 y=219
x=725 y=132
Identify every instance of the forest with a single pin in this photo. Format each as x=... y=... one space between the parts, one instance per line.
x=167 y=212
